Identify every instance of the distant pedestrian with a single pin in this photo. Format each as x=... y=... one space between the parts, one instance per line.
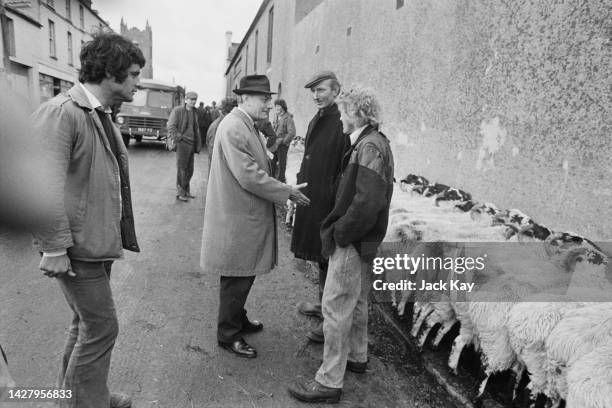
x=92 y=205
x=284 y=127
x=204 y=122
x=183 y=127
x=239 y=240
x=321 y=164
x=264 y=126
x=227 y=105
x=350 y=236
x=214 y=111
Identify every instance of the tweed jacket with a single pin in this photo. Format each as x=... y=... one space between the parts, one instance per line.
x=239 y=236
x=91 y=205
x=177 y=125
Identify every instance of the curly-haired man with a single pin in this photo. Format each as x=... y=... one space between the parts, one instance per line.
x=91 y=203
x=350 y=235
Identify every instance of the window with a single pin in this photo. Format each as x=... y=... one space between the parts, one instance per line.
x=51 y=3
x=70 y=53
x=256 y=46
x=52 y=39
x=10 y=28
x=82 y=15
x=270 y=27
x=399 y=4
x=68 y=10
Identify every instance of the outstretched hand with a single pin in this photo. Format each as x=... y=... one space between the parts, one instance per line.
x=297 y=196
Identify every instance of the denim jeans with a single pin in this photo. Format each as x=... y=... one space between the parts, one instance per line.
x=345 y=315
x=91 y=336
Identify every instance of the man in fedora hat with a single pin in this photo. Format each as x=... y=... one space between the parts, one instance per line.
x=239 y=240
x=323 y=148
x=183 y=126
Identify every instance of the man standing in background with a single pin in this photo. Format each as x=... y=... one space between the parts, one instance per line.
x=321 y=164
x=184 y=128
x=284 y=127
x=227 y=105
x=203 y=122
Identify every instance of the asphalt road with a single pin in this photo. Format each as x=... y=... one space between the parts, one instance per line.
x=166 y=354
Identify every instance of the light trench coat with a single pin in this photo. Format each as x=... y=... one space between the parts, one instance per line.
x=240 y=236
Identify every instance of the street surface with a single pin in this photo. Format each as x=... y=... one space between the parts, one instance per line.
x=166 y=354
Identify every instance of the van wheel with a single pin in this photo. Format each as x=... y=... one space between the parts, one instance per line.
x=126 y=139
x=138 y=138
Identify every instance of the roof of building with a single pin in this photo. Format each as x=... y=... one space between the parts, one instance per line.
x=262 y=8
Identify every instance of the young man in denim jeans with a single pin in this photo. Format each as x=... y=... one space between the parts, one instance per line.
x=350 y=235
x=91 y=203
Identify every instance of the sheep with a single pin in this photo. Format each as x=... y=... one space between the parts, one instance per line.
x=452 y=194
x=579 y=332
x=529 y=324
x=411 y=181
x=589 y=379
x=435 y=189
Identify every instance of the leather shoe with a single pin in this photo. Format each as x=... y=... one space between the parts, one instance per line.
x=356 y=367
x=316 y=335
x=310 y=309
x=312 y=391
x=182 y=198
x=120 y=401
x=252 y=327
x=240 y=348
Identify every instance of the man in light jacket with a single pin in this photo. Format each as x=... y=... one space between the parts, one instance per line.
x=91 y=203
x=350 y=236
x=239 y=240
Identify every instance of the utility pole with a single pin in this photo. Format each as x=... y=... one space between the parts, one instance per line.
x=6 y=45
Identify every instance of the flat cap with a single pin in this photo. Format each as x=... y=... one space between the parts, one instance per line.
x=190 y=95
x=320 y=76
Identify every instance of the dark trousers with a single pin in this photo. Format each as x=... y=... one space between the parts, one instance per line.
x=233 y=293
x=184 y=167
x=91 y=335
x=280 y=157
x=322 y=277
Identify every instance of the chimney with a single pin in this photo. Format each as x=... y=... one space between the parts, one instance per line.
x=228 y=40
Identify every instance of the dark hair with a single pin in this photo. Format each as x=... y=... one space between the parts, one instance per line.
x=281 y=103
x=108 y=52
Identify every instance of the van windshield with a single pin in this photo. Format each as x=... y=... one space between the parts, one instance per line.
x=152 y=98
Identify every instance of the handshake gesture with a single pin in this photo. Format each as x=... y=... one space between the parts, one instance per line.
x=297 y=196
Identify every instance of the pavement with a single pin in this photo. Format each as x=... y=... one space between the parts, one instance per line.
x=166 y=354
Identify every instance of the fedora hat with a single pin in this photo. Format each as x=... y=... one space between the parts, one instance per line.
x=254 y=84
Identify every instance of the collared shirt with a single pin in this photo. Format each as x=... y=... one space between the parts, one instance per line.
x=95 y=103
x=356 y=133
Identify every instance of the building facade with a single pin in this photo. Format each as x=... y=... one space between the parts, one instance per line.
x=144 y=39
x=44 y=39
x=507 y=101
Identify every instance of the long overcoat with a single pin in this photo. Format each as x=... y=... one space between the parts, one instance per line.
x=240 y=237
x=321 y=164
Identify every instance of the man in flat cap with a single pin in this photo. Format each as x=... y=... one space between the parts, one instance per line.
x=184 y=128
x=321 y=163
x=239 y=240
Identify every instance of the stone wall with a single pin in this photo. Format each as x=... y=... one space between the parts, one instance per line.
x=509 y=100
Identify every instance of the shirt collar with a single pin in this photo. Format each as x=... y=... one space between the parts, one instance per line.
x=247 y=115
x=356 y=133
x=95 y=103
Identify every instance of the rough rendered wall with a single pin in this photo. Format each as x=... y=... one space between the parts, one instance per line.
x=509 y=100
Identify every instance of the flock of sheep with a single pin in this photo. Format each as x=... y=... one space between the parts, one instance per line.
x=554 y=324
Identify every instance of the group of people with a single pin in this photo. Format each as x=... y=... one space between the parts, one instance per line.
x=343 y=193
x=192 y=129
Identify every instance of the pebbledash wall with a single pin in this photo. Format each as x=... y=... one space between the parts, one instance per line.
x=508 y=100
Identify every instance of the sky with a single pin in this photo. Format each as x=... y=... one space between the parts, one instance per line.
x=188 y=37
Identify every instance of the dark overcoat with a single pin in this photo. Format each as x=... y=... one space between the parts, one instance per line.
x=321 y=164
